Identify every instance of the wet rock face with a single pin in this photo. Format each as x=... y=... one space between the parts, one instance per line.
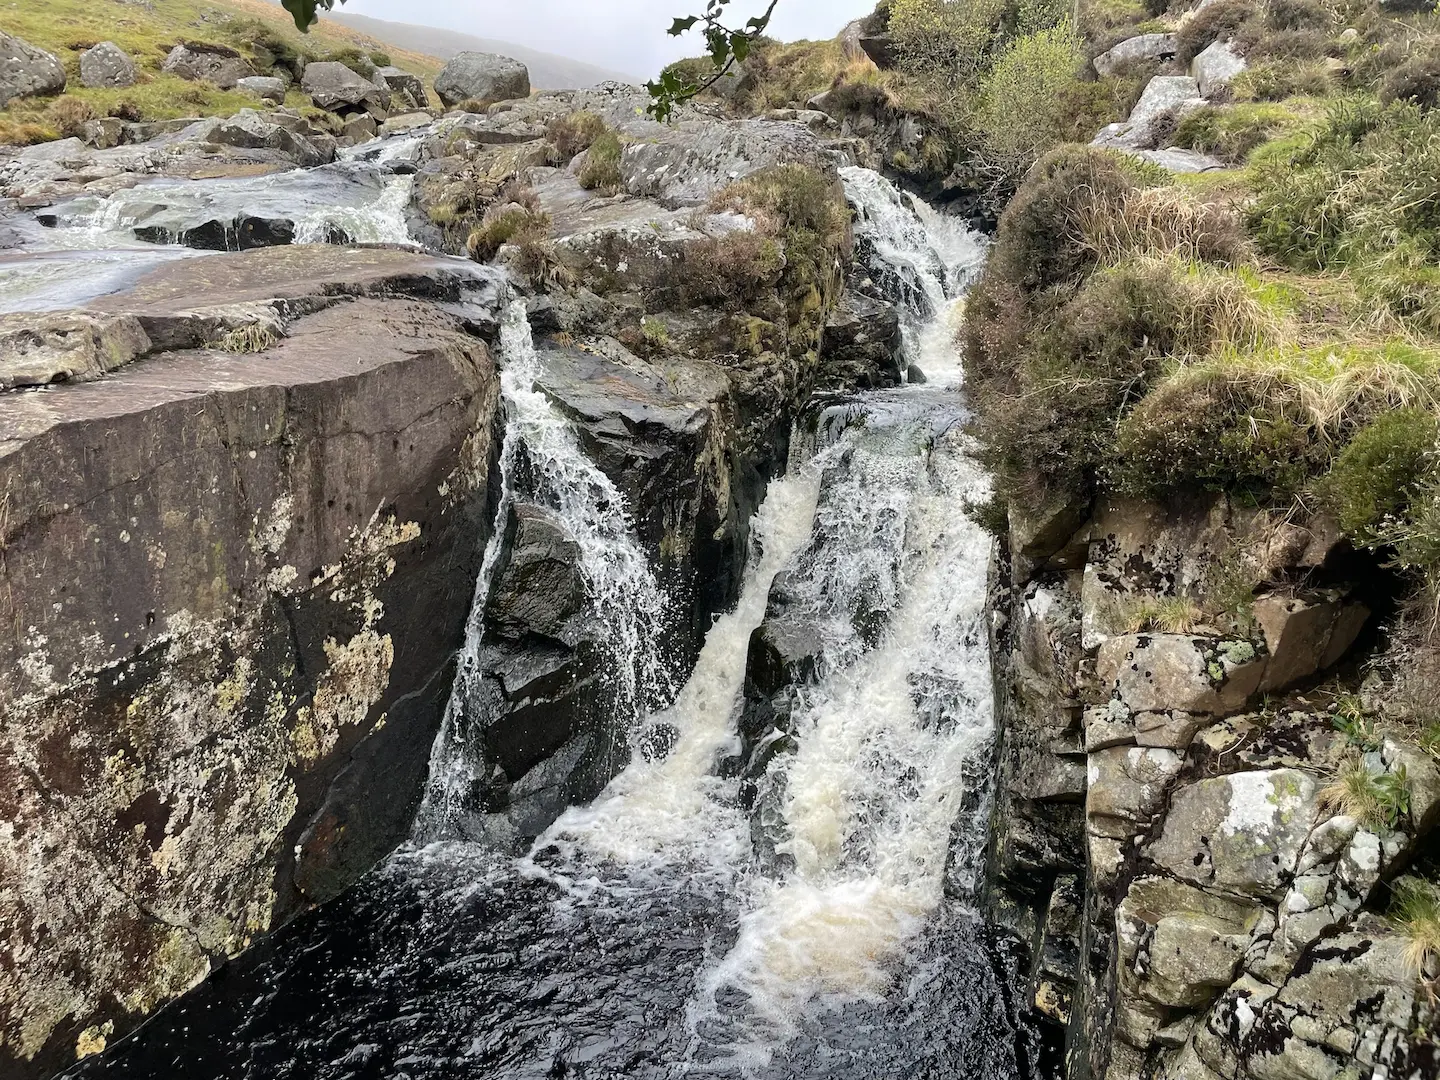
x=26 y=71
x=220 y=699
x=1224 y=892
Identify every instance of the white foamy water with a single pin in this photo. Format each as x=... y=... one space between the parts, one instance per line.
x=625 y=597
x=868 y=799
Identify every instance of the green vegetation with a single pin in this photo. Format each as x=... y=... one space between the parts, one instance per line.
x=573 y=133
x=259 y=31
x=1378 y=800
x=601 y=171
x=1415 y=912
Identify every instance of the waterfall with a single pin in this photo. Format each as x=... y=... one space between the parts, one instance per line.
x=624 y=596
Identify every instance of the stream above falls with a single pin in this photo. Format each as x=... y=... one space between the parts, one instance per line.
x=786 y=901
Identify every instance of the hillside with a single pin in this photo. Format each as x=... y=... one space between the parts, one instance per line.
x=261 y=31
x=547 y=71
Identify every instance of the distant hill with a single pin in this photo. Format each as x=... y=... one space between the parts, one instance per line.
x=547 y=71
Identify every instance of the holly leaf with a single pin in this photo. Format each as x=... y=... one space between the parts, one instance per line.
x=306 y=12
x=679 y=26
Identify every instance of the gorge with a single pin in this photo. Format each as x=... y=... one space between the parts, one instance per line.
x=530 y=591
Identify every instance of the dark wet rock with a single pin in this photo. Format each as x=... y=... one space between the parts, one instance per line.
x=107 y=65
x=260 y=624
x=26 y=71
x=199 y=61
x=475 y=76
x=862 y=346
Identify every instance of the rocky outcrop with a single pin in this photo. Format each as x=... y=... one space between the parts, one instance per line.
x=1166 y=97
x=219 y=703
x=1174 y=784
x=1145 y=48
x=198 y=61
x=107 y=65
x=1216 y=67
x=862 y=346
x=26 y=71
x=407 y=90
x=334 y=87
x=487 y=77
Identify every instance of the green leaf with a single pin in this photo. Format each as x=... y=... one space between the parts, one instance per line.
x=679 y=26
x=740 y=45
x=306 y=12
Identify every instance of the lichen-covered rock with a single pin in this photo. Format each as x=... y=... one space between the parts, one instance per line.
x=211 y=63
x=1127 y=786
x=37 y=349
x=1216 y=67
x=1136 y=50
x=1185 y=672
x=26 y=71
x=1306 y=633
x=1241 y=833
x=220 y=701
x=408 y=89
x=482 y=77
x=1164 y=95
x=107 y=65
x=265 y=87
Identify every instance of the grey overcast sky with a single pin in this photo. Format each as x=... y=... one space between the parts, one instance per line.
x=623 y=35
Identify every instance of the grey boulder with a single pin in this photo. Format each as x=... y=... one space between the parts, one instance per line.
x=107 y=65
x=263 y=87
x=26 y=70
x=475 y=76
x=209 y=63
x=1135 y=50
x=1216 y=67
x=334 y=86
x=1173 y=95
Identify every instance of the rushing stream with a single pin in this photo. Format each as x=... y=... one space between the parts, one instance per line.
x=821 y=922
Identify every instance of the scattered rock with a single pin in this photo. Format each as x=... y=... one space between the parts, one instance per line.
x=107 y=65
x=26 y=71
x=37 y=349
x=265 y=87
x=334 y=86
x=1164 y=95
x=407 y=89
x=1179 y=160
x=1216 y=67
x=405 y=122
x=360 y=128
x=1305 y=634
x=880 y=48
x=252 y=130
x=482 y=77
x=210 y=63
x=104 y=132
x=1135 y=50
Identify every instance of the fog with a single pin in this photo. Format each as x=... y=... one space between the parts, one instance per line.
x=622 y=35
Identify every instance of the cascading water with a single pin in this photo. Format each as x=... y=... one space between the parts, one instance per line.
x=809 y=914
x=623 y=592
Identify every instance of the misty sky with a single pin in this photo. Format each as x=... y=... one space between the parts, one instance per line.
x=623 y=35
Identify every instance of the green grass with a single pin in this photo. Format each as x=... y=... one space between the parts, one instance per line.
x=262 y=32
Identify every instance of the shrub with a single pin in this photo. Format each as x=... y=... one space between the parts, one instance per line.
x=1231 y=132
x=1416 y=80
x=1291 y=45
x=960 y=40
x=69 y=115
x=573 y=133
x=1221 y=21
x=1276 y=80
x=1376 y=475
x=1297 y=14
x=1377 y=800
x=507 y=223
x=1263 y=423
x=729 y=272
x=1164 y=221
x=800 y=207
x=792 y=74
x=1364 y=190
x=601 y=170
x=1024 y=100
x=126 y=110
x=1415 y=913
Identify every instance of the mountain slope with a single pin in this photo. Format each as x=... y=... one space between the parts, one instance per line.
x=547 y=71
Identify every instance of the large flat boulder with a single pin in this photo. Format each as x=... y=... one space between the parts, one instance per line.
x=1143 y=48
x=477 y=76
x=225 y=672
x=409 y=89
x=26 y=71
x=335 y=87
x=199 y=62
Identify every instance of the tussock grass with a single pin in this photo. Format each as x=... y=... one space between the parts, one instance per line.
x=255 y=338
x=1163 y=614
x=1377 y=800
x=1415 y=912
x=573 y=133
x=1162 y=221
x=601 y=170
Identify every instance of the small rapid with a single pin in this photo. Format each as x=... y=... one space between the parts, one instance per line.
x=89 y=246
x=762 y=891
